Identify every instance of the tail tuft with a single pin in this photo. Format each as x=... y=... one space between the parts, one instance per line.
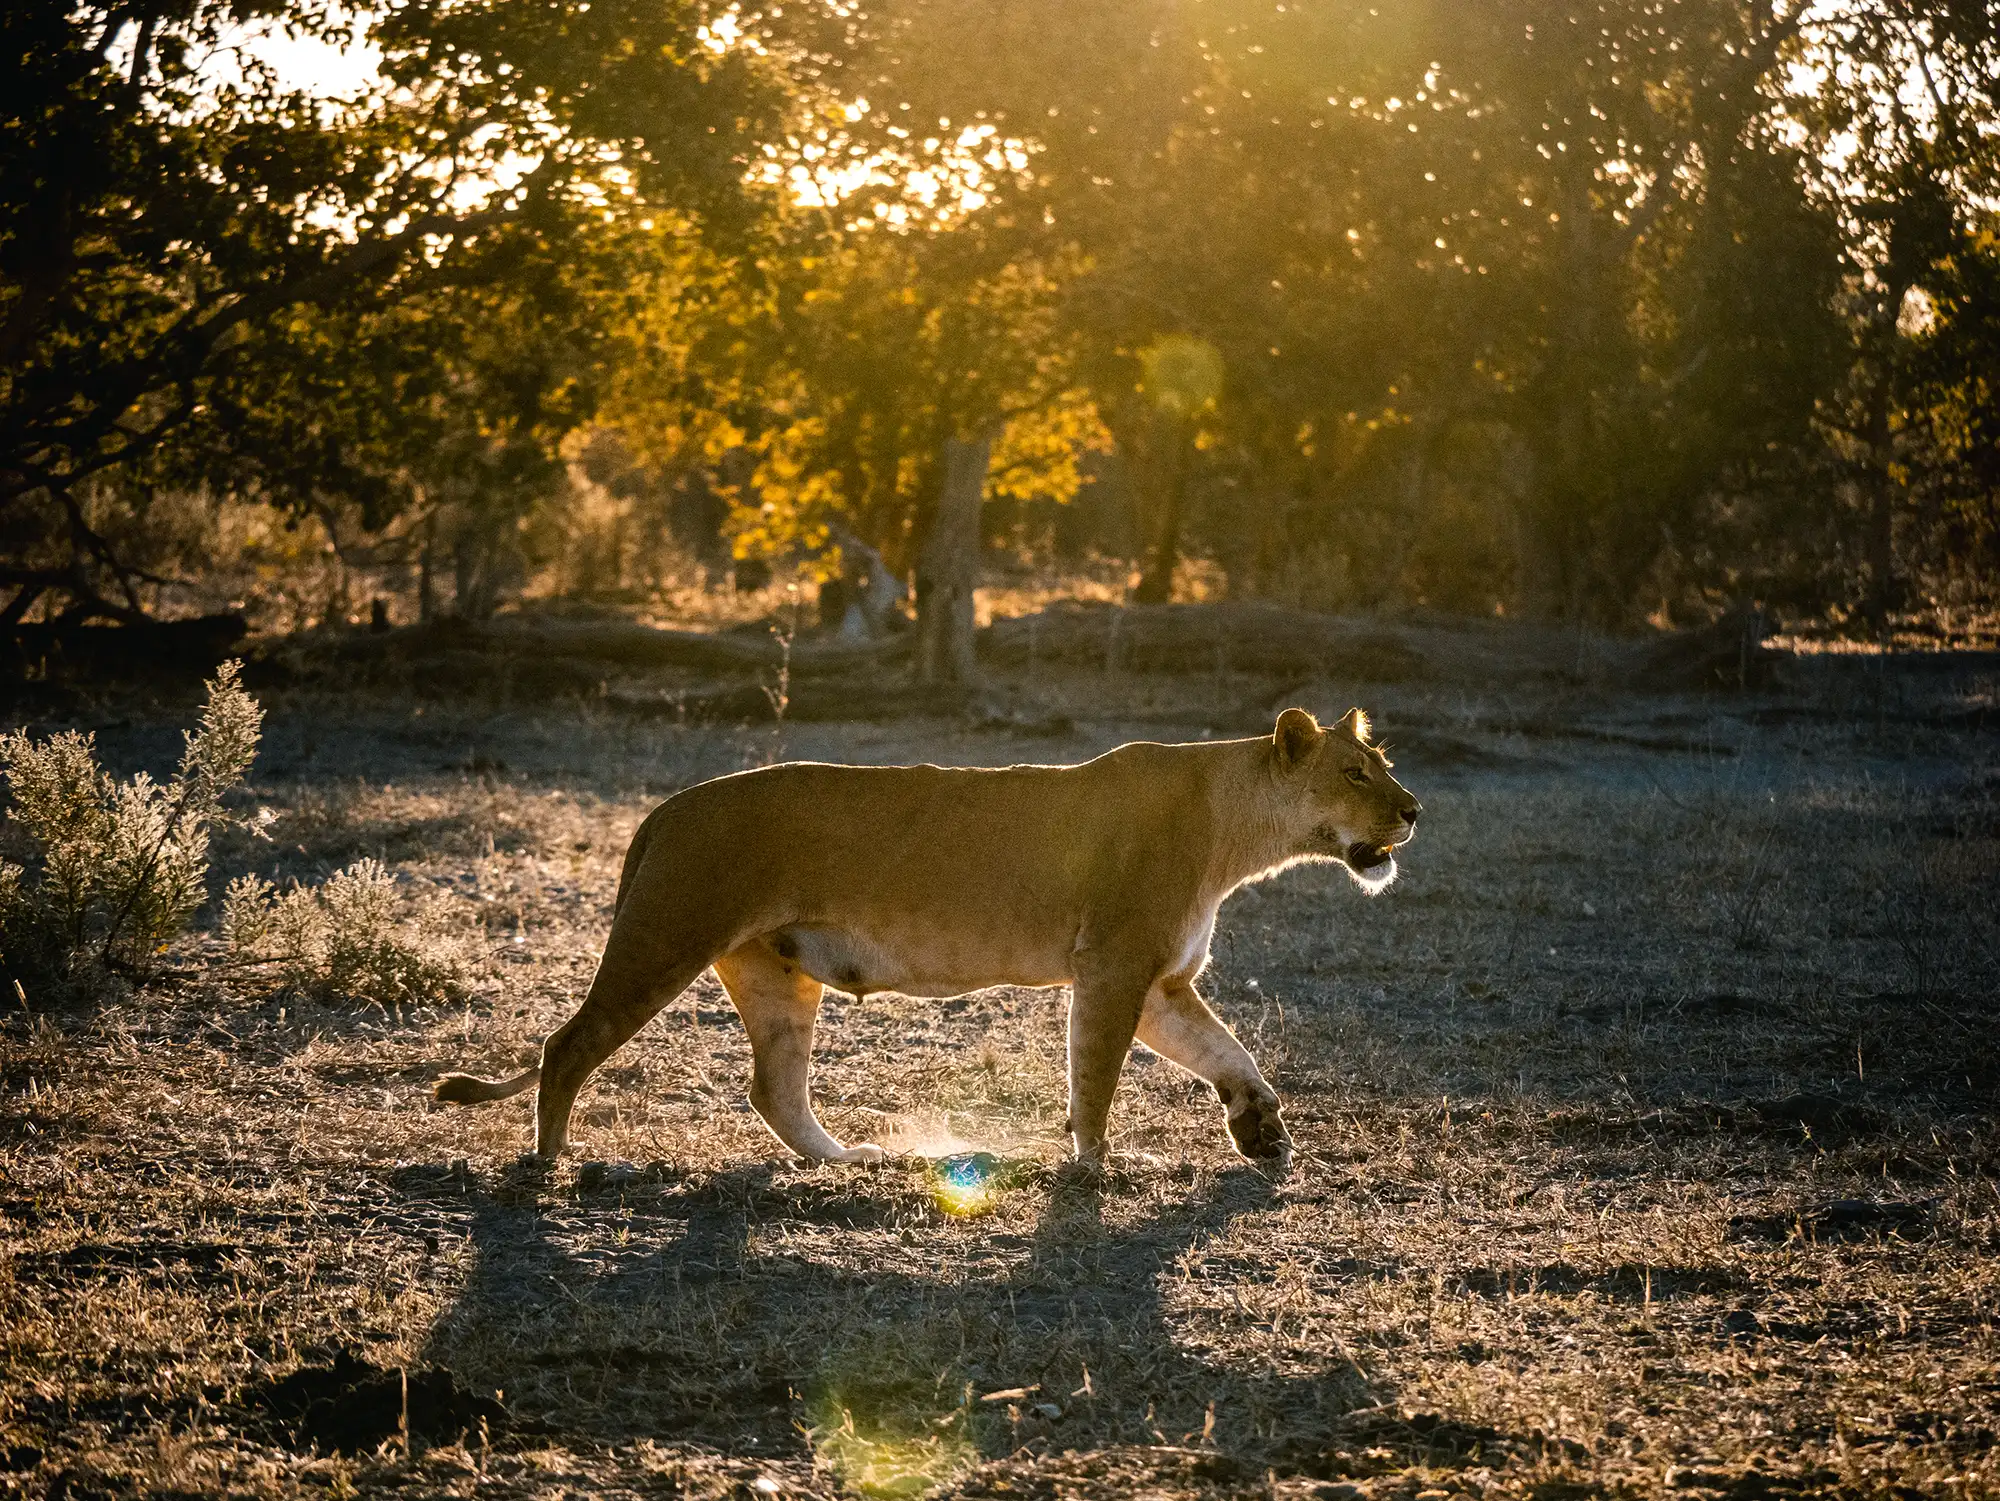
x=464 y=1089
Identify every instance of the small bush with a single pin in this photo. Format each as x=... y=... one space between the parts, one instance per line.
x=344 y=940
x=114 y=870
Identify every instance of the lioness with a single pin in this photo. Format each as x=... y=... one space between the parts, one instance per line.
x=933 y=881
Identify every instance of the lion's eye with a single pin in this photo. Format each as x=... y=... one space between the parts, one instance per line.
x=1356 y=774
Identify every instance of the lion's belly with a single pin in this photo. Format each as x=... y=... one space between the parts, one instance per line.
x=919 y=962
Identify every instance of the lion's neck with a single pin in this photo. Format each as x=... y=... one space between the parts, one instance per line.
x=1255 y=833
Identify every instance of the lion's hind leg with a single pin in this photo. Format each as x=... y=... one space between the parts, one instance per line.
x=1177 y=1024
x=635 y=981
x=779 y=1002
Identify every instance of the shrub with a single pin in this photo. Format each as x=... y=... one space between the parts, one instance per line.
x=114 y=869
x=344 y=940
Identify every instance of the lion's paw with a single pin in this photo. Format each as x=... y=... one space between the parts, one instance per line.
x=865 y=1153
x=1258 y=1126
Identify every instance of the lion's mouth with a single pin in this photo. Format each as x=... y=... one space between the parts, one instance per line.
x=1363 y=857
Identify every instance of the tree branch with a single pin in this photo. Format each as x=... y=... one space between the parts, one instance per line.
x=356 y=263
x=185 y=348
x=1769 y=33
x=23 y=601
x=142 y=45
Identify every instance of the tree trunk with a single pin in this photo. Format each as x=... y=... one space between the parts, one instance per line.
x=426 y=566
x=949 y=568
x=1883 y=593
x=1884 y=492
x=471 y=594
x=1568 y=454
x=1272 y=516
x=1157 y=586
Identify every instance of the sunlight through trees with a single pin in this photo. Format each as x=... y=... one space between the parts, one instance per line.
x=1612 y=311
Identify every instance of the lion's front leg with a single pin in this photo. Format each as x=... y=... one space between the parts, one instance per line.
x=1103 y=1013
x=1177 y=1024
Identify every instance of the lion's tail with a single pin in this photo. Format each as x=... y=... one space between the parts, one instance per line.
x=463 y=1089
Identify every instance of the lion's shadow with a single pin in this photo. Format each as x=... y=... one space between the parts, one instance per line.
x=736 y=1311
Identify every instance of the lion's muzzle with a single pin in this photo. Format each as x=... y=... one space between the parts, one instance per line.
x=1364 y=858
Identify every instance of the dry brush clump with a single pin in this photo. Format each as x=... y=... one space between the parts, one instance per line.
x=114 y=870
x=346 y=939
x=112 y=873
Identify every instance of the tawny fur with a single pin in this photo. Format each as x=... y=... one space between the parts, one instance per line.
x=463 y=1089
x=933 y=881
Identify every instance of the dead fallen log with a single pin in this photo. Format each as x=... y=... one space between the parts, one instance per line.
x=1727 y=656
x=141 y=648
x=810 y=701
x=829 y=679
x=1198 y=639
x=621 y=644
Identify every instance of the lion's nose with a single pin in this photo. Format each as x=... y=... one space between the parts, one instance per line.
x=1410 y=814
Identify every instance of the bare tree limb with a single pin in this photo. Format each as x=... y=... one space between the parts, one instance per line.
x=186 y=346
x=142 y=47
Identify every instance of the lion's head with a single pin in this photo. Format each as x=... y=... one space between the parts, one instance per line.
x=1345 y=804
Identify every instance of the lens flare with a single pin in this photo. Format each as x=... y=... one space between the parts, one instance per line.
x=898 y=1459
x=1181 y=374
x=966 y=1185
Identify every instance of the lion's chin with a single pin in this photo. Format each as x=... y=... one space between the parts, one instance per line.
x=1373 y=866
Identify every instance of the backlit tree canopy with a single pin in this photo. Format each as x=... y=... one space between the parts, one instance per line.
x=196 y=257
x=1574 y=309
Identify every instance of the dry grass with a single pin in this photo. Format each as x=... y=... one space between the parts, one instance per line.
x=1573 y=1099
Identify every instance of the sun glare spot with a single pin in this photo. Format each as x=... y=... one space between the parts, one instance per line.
x=966 y=1185
x=1182 y=374
x=722 y=33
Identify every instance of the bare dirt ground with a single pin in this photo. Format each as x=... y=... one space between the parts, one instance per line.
x=1647 y=1135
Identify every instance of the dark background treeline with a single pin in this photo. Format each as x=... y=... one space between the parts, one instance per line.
x=1615 y=312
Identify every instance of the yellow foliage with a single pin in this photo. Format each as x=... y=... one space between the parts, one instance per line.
x=1039 y=453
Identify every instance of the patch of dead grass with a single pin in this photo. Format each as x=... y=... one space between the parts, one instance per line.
x=1569 y=1100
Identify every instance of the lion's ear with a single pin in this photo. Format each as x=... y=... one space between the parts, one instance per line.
x=1354 y=723
x=1298 y=735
